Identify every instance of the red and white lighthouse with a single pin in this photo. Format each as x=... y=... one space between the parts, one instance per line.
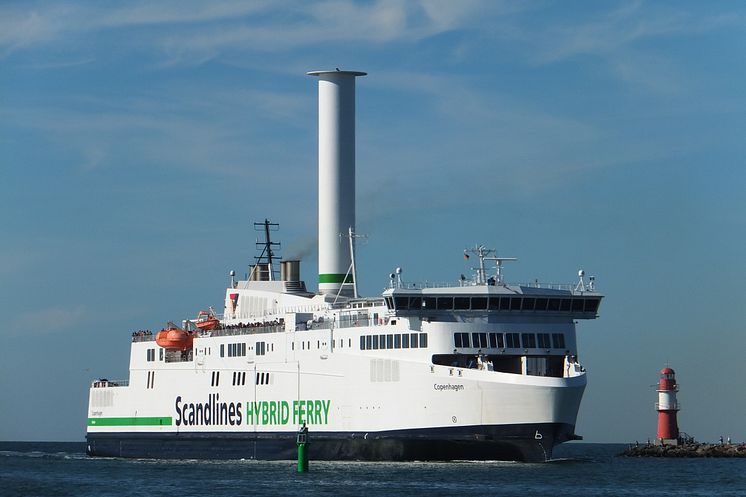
x=667 y=407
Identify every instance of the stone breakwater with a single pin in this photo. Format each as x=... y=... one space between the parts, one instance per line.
x=687 y=450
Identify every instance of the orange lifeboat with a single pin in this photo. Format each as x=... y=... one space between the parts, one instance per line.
x=206 y=321
x=174 y=339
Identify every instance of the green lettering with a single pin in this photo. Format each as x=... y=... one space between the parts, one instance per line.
x=265 y=413
x=309 y=412
x=317 y=405
x=326 y=404
x=284 y=412
x=301 y=411
x=273 y=412
x=295 y=413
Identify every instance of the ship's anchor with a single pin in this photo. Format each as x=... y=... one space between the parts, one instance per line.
x=538 y=436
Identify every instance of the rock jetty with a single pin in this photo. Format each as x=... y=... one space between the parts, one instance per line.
x=687 y=450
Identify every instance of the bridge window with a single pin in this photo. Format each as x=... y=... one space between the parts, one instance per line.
x=565 y=305
x=541 y=304
x=445 y=303
x=553 y=305
x=497 y=341
x=413 y=342
x=389 y=341
x=494 y=303
x=479 y=340
x=397 y=341
x=528 y=303
x=543 y=339
x=362 y=342
x=401 y=303
x=558 y=341
x=461 y=339
x=577 y=305
x=478 y=303
x=429 y=302
x=375 y=342
x=591 y=305
x=423 y=340
x=512 y=340
x=415 y=303
x=529 y=340
x=515 y=304
x=405 y=341
x=461 y=303
x=504 y=303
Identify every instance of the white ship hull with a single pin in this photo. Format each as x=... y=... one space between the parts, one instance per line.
x=475 y=370
x=391 y=404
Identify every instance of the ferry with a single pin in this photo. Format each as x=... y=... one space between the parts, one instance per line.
x=474 y=369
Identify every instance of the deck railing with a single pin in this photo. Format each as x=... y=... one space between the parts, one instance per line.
x=104 y=383
x=421 y=285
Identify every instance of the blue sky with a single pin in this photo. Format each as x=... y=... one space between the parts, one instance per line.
x=139 y=142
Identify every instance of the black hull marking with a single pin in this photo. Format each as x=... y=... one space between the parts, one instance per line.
x=504 y=442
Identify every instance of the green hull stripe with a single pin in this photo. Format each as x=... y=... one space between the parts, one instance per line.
x=334 y=278
x=165 y=421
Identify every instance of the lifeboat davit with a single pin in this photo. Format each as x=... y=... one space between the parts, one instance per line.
x=175 y=339
x=206 y=321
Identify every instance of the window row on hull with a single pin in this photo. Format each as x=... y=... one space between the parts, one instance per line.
x=483 y=340
x=394 y=341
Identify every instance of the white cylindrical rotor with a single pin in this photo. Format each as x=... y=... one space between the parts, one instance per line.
x=336 y=178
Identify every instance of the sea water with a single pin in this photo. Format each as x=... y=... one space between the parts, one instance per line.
x=61 y=469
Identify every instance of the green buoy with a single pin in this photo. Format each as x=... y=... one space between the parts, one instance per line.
x=302 y=443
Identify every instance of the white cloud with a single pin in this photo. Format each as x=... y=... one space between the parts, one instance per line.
x=612 y=31
x=182 y=12
x=206 y=29
x=49 y=319
x=14 y=261
x=21 y=28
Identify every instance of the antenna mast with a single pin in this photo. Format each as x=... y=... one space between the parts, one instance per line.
x=266 y=245
x=484 y=255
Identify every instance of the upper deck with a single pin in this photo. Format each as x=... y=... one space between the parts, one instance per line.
x=522 y=300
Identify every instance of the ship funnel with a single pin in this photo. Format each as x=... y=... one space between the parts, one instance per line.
x=336 y=178
x=290 y=270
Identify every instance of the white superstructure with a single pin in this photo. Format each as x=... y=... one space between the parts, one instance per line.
x=475 y=369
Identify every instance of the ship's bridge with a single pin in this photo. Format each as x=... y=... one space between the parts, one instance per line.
x=489 y=294
x=505 y=299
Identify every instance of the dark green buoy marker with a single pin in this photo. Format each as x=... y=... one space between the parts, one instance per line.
x=302 y=443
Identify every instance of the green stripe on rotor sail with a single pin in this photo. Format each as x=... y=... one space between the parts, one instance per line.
x=155 y=421
x=335 y=278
